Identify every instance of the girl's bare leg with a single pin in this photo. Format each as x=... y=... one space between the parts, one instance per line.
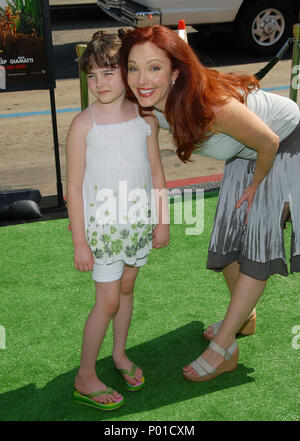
x=122 y=322
x=245 y=296
x=105 y=308
x=231 y=274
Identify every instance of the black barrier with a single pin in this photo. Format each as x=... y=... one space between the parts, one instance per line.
x=20 y=205
x=263 y=72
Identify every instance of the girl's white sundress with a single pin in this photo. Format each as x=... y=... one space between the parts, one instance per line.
x=118 y=210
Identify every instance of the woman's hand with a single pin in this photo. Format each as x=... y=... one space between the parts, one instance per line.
x=83 y=258
x=161 y=236
x=247 y=196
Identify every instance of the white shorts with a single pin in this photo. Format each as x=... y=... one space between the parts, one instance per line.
x=109 y=272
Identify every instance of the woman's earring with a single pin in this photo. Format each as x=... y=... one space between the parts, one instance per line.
x=173 y=82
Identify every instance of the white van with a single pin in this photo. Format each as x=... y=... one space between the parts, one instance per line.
x=263 y=26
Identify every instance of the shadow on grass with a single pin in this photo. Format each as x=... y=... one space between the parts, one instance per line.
x=161 y=359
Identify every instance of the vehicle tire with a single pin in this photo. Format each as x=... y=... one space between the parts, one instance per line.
x=264 y=26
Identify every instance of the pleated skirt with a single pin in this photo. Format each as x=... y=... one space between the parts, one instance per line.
x=259 y=246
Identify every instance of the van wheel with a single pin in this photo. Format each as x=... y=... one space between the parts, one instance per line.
x=264 y=26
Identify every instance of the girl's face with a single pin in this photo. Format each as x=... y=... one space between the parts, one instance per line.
x=150 y=75
x=106 y=84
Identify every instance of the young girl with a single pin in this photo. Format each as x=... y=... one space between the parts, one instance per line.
x=113 y=163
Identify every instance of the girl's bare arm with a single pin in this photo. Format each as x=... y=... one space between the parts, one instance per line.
x=76 y=150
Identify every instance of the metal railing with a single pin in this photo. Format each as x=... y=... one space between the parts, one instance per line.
x=295 y=63
x=84 y=91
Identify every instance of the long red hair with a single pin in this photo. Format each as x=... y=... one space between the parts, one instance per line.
x=198 y=91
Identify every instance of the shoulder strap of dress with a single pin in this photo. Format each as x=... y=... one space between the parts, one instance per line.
x=93 y=115
x=137 y=110
x=163 y=123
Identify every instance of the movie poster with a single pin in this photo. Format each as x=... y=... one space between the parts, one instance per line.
x=25 y=42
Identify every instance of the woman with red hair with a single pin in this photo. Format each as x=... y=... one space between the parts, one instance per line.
x=228 y=117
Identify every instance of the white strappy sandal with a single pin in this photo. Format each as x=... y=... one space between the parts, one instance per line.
x=206 y=372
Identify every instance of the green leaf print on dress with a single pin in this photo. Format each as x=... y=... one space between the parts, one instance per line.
x=98 y=253
x=93 y=242
x=124 y=234
x=130 y=251
x=142 y=242
x=113 y=230
x=117 y=246
x=105 y=238
x=134 y=238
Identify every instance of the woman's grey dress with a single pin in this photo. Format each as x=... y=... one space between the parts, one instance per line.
x=259 y=245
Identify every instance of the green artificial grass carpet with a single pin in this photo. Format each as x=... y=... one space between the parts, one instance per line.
x=44 y=304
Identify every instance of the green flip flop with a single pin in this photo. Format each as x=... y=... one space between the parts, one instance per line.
x=87 y=400
x=132 y=387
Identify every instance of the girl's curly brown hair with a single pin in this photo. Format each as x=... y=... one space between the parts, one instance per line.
x=102 y=51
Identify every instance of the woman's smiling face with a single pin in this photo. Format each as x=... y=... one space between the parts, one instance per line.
x=150 y=75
